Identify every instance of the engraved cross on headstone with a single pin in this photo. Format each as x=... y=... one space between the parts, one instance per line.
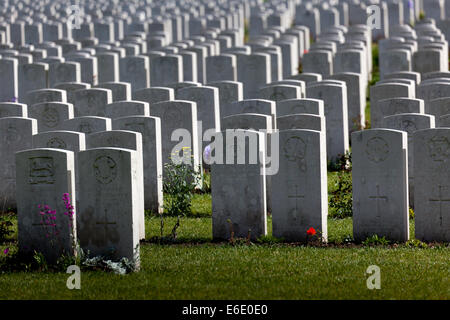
x=296 y=196
x=440 y=200
x=105 y=222
x=378 y=198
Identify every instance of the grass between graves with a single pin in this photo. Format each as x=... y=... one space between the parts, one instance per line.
x=270 y=271
x=194 y=267
x=373 y=81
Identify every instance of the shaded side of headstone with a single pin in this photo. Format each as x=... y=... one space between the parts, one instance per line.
x=15 y=135
x=43 y=177
x=432 y=194
x=380 y=184
x=299 y=189
x=126 y=140
x=51 y=115
x=107 y=216
x=238 y=187
x=150 y=128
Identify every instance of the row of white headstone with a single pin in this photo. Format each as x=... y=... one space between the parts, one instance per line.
x=298 y=192
x=109 y=209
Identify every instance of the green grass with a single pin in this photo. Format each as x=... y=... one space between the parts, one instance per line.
x=375 y=79
x=196 y=268
x=255 y=272
x=201 y=205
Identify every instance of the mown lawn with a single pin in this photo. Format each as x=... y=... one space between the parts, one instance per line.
x=194 y=267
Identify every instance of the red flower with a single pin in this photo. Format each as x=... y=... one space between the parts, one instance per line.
x=311 y=231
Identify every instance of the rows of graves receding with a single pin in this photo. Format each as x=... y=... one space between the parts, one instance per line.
x=92 y=97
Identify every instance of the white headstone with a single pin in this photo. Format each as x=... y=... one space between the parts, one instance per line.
x=43 y=177
x=432 y=194
x=150 y=128
x=299 y=189
x=108 y=206
x=126 y=140
x=380 y=195
x=15 y=136
x=239 y=187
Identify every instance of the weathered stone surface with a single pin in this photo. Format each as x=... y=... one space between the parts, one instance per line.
x=239 y=187
x=410 y=123
x=334 y=96
x=432 y=194
x=303 y=121
x=51 y=115
x=15 y=135
x=126 y=140
x=380 y=184
x=127 y=108
x=43 y=177
x=295 y=106
x=107 y=206
x=150 y=128
x=299 y=189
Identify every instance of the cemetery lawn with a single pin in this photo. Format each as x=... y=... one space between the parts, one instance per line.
x=194 y=267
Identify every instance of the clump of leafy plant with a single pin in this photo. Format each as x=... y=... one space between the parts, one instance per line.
x=376 y=240
x=180 y=181
x=269 y=240
x=347 y=239
x=341 y=192
x=341 y=196
x=15 y=260
x=341 y=163
x=411 y=213
x=6 y=228
x=414 y=243
x=421 y=15
x=206 y=188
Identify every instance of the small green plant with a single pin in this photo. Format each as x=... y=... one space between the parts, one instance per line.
x=411 y=213
x=246 y=31
x=414 y=243
x=180 y=181
x=421 y=15
x=206 y=188
x=6 y=228
x=270 y=240
x=40 y=261
x=341 y=196
x=341 y=163
x=347 y=239
x=18 y=261
x=376 y=240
